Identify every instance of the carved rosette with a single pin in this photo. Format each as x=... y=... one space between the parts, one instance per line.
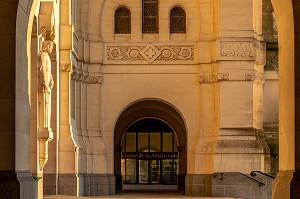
x=65 y=67
x=149 y=54
x=237 y=50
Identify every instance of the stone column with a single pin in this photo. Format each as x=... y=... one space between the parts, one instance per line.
x=67 y=178
x=200 y=182
x=295 y=184
x=287 y=88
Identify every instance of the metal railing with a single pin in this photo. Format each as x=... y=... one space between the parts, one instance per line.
x=253 y=174
x=260 y=183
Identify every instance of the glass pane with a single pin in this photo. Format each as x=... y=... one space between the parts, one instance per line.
x=155 y=142
x=143 y=171
x=143 y=142
x=130 y=171
x=154 y=171
x=131 y=142
x=169 y=171
x=167 y=142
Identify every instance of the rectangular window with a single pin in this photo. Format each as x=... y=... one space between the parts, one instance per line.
x=150 y=16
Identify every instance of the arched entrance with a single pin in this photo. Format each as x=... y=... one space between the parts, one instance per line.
x=165 y=118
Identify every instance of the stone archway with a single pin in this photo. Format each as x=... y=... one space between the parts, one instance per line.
x=153 y=109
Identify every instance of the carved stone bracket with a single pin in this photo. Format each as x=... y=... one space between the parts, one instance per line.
x=65 y=67
x=45 y=135
x=149 y=54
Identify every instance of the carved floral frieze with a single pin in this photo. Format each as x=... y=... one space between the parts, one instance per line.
x=149 y=54
x=85 y=78
x=208 y=78
x=213 y=78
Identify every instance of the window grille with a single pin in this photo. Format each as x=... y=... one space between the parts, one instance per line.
x=177 y=20
x=150 y=16
x=122 y=21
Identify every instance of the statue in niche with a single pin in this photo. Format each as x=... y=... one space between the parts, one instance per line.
x=46 y=80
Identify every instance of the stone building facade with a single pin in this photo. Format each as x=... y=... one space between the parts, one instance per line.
x=171 y=92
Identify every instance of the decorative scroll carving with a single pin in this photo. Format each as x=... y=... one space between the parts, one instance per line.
x=65 y=67
x=271 y=125
x=236 y=49
x=149 y=53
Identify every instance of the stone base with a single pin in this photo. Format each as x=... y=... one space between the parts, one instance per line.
x=102 y=184
x=181 y=182
x=119 y=181
x=17 y=185
x=99 y=184
x=228 y=185
x=49 y=180
x=67 y=184
x=281 y=185
x=198 y=185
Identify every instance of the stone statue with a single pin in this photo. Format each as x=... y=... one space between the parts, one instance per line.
x=46 y=84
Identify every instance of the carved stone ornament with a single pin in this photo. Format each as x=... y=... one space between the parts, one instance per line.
x=272 y=59
x=249 y=77
x=259 y=78
x=89 y=79
x=213 y=78
x=149 y=54
x=244 y=49
x=208 y=78
x=65 y=67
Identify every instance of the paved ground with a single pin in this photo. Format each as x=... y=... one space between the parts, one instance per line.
x=141 y=192
x=138 y=195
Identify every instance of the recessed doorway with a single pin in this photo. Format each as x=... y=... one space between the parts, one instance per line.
x=149 y=153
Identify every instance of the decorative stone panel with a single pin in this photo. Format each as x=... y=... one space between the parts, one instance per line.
x=149 y=53
x=236 y=50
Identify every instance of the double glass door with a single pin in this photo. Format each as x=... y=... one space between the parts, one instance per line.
x=150 y=171
x=149 y=153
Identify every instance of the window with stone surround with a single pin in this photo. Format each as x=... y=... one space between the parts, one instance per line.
x=150 y=16
x=122 y=21
x=177 y=20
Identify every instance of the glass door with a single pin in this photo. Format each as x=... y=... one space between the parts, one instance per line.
x=154 y=171
x=143 y=171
